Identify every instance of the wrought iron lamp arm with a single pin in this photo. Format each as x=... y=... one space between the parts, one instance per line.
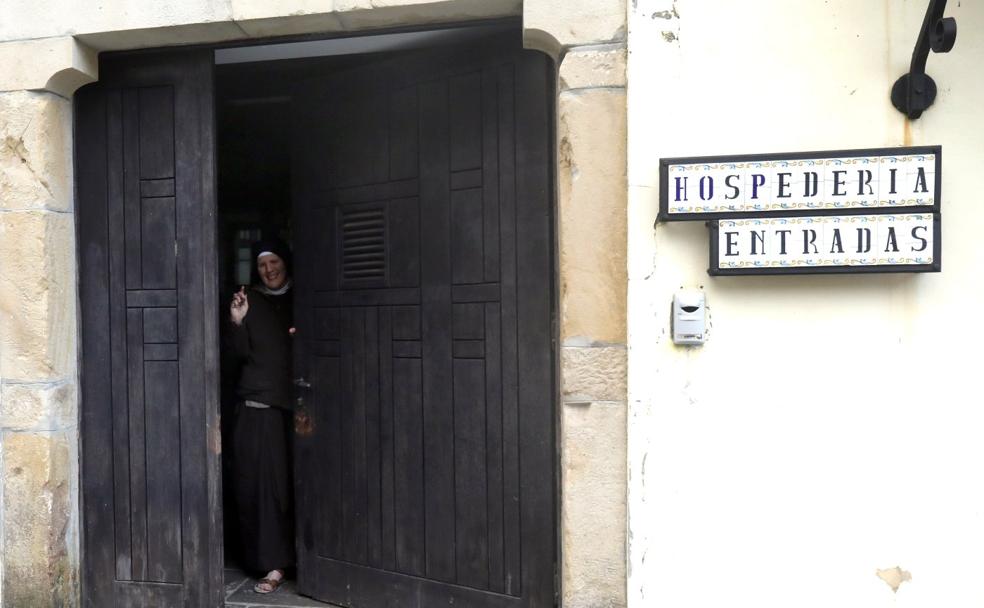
x=916 y=91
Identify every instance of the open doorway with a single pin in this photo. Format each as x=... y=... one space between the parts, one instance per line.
x=259 y=147
x=414 y=188
x=253 y=129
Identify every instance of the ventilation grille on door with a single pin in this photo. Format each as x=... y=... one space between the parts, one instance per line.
x=363 y=245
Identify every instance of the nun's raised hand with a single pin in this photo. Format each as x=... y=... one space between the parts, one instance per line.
x=239 y=306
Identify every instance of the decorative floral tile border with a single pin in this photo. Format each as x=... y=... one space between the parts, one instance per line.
x=882 y=242
x=864 y=180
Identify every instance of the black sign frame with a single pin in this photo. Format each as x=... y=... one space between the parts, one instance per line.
x=714 y=270
x=665 y=216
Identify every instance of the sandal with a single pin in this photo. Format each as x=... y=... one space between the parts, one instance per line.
x=268 y=584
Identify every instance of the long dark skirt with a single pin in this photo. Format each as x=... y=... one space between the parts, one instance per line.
x=264 y=488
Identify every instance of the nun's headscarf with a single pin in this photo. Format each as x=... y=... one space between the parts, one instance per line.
x=275 y=246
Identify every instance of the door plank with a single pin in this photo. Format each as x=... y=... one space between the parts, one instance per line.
x=510 y=337
x=403 y=134
x=156 y=123
x=328 y=395
x=116 y=330
x=354 y=487
x=357 y=586
x=471 y=484
x=408 y=449
x=137 y=433
x=96 y=423
x=374 y=515
x=387 y=558
x=535 y=327
x=490 y=166
x=493 y=430
x=465 y=122
x=435 y=265
x=197 y=393
x=158 y=233
x=164 y=476
x=467 y=237
x=131 y=594
x=403 y=256
x=130 y=156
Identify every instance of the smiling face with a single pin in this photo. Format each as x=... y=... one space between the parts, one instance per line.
x=272 y=271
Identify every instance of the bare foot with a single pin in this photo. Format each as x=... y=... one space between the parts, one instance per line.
x=270 y=582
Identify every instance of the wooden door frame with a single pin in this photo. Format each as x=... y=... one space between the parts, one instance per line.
x=215 y=577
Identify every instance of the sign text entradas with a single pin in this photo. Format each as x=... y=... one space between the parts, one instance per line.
x=830 y=243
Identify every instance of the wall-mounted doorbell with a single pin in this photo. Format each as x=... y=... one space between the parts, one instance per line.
x=689 y=317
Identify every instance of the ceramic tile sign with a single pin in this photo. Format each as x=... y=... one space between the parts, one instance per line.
x=884 y=242
x=802 y=183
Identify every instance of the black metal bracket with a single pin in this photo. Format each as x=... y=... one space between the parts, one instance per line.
x=916 y=91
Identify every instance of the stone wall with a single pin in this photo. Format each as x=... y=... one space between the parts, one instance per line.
x=38 y=404
x=591 y=191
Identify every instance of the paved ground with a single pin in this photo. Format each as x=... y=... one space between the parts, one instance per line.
x=240 y=594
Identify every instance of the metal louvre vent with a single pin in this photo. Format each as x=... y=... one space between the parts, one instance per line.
x=363 y=245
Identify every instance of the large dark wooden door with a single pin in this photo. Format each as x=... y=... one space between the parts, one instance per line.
x=423 y=256
x=150 y=436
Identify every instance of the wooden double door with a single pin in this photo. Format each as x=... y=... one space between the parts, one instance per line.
x=422 y=235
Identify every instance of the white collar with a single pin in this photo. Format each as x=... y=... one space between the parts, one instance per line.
x=276 y=292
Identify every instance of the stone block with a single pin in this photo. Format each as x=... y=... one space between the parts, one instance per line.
x=263 y=9
x=35 y=151
x=356 y=14
x=291 y=25
x=554 y=25
x=594 y=66
x=594 y=373
x=59 y=65
x=593 y=505
x=37 y=296
x=38 y=406
x=264 y=18
x=592 y=199
x=260 y=18
x=31 y=20
x=352 y=5
x=171 y=35
x=40 y=561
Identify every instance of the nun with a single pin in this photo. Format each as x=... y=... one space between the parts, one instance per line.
x=260 y=330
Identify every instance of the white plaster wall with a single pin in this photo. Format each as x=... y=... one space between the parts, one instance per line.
x=832 y=425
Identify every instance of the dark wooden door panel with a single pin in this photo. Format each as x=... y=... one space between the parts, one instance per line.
x=424 y=273
x=149 y=476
